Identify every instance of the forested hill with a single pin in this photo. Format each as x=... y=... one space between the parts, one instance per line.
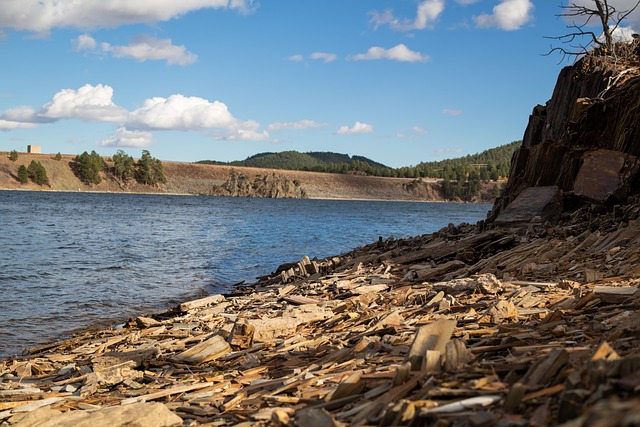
x=312 y=161
x=489 y=164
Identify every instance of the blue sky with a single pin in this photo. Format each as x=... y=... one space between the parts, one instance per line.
x=399 y=81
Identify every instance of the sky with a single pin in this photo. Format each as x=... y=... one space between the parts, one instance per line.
x=398 y=81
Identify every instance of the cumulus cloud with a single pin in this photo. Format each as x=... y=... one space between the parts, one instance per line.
x=177 y=112
x=128 y=138
x=397 y=53
x=508 y=15
x=299 y=125
x=427 y=13
x=44 y=15
x=452 y=111
x=89 y=103
x=357 y=128
x=6 y=125
x=326 y=57
x=143 y=48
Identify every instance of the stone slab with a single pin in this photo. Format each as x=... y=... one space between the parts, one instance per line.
x=599 y=176
x=543 y=202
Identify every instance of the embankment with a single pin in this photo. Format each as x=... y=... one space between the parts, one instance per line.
x=197 y=179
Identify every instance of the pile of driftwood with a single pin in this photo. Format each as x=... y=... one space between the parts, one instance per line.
x=459 y=328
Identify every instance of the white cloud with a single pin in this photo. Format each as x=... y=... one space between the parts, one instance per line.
x=509 y=15
x=44 y=15
x=326 y=57
x=296 y=58
x=301 y=124
x=85 y=42
x=128 y=138
x=452 y=111
x=10 y=125
x=427 y=13
x=396 y=53
x=466 y=2
x=143 y=48
x=622 y=34
x=357 y=128
x=416 y=132
x=177 y=112
x=89 y=103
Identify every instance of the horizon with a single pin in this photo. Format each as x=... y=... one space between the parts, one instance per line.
x=398 y=82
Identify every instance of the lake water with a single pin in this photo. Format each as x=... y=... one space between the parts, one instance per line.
x=72 y=260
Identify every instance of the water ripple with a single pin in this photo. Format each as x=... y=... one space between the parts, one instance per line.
x=71 y=260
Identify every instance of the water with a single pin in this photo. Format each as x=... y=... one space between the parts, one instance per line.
x=71 y=260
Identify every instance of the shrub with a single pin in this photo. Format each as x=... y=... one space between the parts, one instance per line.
x=13 y=155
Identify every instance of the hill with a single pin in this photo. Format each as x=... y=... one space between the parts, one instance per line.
x=225 y=180
x=311 y=161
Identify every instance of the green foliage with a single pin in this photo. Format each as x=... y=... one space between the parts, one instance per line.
x=87 y=167
x=13 y=155
x=37 y=173
x=57 y=157
x=23 y=174
x=124 y=167
x=150 y=170
x=488 y=165
x=312 y=161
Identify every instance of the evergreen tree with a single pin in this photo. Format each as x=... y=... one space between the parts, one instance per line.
x=13 y=155
x=150 y=170
x=38 y=173
x=124 y=166
x=23 y=174
x=87 y=167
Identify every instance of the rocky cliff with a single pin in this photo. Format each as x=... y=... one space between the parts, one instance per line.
x=581 y=148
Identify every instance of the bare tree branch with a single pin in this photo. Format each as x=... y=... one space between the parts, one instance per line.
x=609 y=20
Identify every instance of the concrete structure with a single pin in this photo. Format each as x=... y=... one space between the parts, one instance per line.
x=34 y=149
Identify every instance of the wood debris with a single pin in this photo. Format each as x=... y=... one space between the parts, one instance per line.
x=382 y=335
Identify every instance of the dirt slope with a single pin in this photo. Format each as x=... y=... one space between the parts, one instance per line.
x=188 y=178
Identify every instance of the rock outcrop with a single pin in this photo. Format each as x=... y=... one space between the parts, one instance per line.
x=584 y=143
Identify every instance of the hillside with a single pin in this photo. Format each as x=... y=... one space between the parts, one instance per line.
x=311 y=161
x=490 y=164
x=201 y=179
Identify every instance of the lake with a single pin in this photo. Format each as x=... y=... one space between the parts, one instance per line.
x=73 y=260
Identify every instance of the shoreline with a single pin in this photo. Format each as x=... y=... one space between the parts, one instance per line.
x=201 y=195
x=345 y=339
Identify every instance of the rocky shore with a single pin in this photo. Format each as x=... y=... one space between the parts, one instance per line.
x=506 y=326
x=530 y=318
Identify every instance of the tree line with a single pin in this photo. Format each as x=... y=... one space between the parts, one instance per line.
x=491 y=164
x=147 y=170
x=89 y=168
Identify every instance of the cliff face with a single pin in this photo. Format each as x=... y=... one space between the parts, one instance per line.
x=581 y=148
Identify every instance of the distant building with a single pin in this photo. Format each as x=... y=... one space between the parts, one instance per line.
x=34 y=149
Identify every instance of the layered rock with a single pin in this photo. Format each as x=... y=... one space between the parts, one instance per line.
x=585 y=142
